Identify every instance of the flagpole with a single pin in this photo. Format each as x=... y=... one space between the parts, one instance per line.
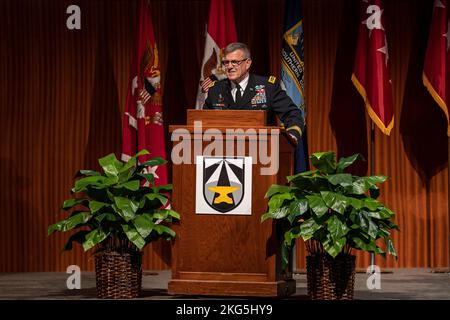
x=372 y=172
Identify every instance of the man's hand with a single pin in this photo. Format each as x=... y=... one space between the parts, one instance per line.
x=293 y=137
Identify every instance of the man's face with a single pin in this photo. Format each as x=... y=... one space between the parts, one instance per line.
x=239 y=70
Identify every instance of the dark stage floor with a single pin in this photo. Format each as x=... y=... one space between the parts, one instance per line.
x=402 y=284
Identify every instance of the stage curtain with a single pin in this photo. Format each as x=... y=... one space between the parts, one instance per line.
x=62 y=95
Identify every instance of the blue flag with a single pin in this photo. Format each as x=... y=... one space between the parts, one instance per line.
x=292 y=72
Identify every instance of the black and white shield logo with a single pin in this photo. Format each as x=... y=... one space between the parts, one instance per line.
x=223 y=182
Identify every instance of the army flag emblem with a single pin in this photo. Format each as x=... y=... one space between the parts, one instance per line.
x=223 y=185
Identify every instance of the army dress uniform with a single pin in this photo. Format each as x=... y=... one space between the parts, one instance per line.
x=261 y=93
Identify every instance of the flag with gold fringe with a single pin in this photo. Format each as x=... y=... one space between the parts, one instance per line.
x=143 y=121
x=292 y=72
x=436 y=70
x=221 y=31
x=371 y=70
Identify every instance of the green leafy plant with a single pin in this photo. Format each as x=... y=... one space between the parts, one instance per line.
x=120 y=209
x=333 y=211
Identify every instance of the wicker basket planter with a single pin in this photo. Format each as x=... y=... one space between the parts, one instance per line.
x=118 y=211
x=118 y=275
x=333 y=212
x=330 y=278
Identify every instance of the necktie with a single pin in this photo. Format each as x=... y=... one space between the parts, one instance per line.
x=238 y=94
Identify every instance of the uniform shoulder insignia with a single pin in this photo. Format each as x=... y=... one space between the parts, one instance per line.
x=272 y=79
x=212 y=84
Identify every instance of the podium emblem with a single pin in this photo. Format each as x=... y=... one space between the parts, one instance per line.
x=224 y=185
x=223 y=182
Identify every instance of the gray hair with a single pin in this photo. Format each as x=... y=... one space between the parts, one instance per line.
x=238 y=46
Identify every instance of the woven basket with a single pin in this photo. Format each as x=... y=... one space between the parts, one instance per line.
x=330 y=279
x=118 y=275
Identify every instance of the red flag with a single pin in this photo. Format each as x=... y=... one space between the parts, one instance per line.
x=143 y=122
x=436 y=71
x=220 y=32
x=370 y=74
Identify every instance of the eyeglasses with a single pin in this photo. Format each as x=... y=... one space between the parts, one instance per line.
x=234 y=63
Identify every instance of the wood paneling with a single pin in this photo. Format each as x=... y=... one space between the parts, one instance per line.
x=62 y=95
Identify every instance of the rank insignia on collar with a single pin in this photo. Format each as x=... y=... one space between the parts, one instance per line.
x=272 y=79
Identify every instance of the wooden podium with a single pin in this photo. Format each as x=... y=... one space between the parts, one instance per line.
x=220 y=254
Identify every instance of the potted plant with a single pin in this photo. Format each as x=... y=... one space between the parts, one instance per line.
x=118 y=212
x=333 y=212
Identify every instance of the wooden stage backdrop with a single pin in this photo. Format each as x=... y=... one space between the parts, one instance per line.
x=62 y=96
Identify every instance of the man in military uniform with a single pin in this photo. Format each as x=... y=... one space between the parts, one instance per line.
x=244 y=91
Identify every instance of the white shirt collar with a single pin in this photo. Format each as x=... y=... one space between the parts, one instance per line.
x=242 y=84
